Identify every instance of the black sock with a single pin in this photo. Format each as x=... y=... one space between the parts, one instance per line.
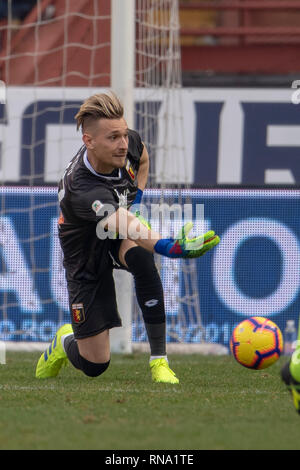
x=72 y=351
x=150 y=297
x=157 y=338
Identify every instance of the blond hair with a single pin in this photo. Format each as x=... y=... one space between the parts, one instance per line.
x=99 y=106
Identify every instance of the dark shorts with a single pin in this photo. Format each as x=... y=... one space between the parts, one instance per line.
x=93 y=305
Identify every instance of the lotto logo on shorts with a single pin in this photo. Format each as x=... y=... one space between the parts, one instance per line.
x=78 y=313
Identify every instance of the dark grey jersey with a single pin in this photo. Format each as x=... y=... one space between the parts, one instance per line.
x=83 y=196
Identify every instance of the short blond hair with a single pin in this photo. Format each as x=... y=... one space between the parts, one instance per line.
x=99 y=106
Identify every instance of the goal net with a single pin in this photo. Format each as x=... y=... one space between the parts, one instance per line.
x=51 y=58
x=160 y=121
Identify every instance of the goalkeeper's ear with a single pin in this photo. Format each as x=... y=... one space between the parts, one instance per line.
x=88 y=141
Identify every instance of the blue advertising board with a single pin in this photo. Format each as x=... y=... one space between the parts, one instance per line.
x=255 y=270
x=198 y=136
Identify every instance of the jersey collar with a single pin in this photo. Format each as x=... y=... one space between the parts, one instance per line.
x=89 y=167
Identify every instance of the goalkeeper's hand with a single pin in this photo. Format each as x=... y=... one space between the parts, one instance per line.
x=184 y=247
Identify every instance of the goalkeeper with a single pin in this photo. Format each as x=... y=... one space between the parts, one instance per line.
x=101 y=183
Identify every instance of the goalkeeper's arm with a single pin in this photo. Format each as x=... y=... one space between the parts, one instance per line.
x=136 y=229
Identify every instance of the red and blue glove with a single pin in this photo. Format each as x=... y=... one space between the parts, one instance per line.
x=183 y=247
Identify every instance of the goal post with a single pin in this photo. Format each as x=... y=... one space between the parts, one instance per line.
x=122 y=78
x=122 y=84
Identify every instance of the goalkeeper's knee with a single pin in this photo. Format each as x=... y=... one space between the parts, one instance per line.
x=140 y=262
x=92 y=369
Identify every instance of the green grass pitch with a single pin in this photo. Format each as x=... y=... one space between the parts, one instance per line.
x=217 y=405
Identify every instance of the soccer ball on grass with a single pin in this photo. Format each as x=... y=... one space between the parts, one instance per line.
x=256 y=343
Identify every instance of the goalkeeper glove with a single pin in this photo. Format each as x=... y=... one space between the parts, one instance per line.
x=142 y=220
x=183 y=247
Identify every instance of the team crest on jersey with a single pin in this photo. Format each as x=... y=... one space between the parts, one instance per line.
x=78 y=313
x=130 y=170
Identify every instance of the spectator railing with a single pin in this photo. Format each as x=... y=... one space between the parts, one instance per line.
x=241 y=37
x=245 y=25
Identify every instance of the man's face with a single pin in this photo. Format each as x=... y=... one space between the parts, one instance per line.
x=107 y=144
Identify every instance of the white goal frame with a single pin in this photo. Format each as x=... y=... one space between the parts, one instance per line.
x=122 y=83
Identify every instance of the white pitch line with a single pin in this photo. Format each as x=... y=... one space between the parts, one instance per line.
x=4 y=387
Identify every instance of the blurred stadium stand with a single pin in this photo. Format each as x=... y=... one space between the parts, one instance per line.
x=223 y=42
x=35 y=52
x=19 y=9
x=239 y=41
